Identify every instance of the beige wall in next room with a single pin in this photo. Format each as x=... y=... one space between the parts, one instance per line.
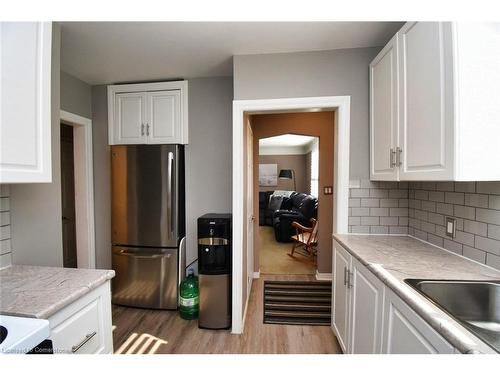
x=296 y=162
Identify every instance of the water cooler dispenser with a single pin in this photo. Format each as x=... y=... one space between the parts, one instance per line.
x=214 y=270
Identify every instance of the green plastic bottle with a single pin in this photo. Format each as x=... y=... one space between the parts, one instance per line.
x=190 y=296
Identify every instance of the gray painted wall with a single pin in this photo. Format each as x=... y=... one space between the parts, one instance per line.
x=36 y=208
x=102 y=177
x=208 y=154
x=320 y=73
x=76 y=96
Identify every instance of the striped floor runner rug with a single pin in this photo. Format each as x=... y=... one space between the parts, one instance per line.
x=298 y=302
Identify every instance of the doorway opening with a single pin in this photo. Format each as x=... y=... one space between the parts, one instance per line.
x=288 y=204
x=245 y=207
x=77 y=191
x=68 y=197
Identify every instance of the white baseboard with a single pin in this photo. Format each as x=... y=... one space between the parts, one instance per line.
x=323 y=276
x=256 y=275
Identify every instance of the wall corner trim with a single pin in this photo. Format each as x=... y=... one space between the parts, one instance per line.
x=323 y=276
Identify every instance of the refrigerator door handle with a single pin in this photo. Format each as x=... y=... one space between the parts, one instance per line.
x=182 y=260
x=152 y=256
x=169 y=195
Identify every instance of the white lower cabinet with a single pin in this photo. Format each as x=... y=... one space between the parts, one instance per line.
x=368 y=318
x=84 y=327
x=367 y=299
x=341 y=297
x=407 y=333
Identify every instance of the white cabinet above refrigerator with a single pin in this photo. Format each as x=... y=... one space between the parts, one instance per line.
x=148 y=113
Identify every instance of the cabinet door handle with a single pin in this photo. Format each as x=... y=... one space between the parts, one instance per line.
x=345 y=275
x=399 y=151
x=87 y=338
x=349 y=275
x=147 y=130
x=392 y=154
x=142 y=129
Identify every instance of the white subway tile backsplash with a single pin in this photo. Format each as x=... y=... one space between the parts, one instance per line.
x=476 y=200
x=420 y=208
x=452 y=246
x=4 y=204
x=474 y=254
x=379 y=229
x=489 y=187
x=5 y=232
x=465 y=212
x=445 y=186
x=360 y=211
x=435 y=240
x=493 y=261
x=360 y=193
x=4 y=218
x=389 y=202
x=389 y=220
x=5 y=240
x=428 y=206
x=454 y=198
x=370 y=202
x=5 y=246
x=488 y=216
x=475 y=227
x=444 y=208
x=370 y=220
x=465 y=187
x=436 y=196
x=377 y=211
x=494 y=231
x=494 y=202
x=487 y=244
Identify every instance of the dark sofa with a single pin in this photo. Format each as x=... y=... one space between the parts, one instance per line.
x=302 y=207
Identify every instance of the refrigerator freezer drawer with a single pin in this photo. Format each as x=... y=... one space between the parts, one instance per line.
x=145 y=278
x=215 y=301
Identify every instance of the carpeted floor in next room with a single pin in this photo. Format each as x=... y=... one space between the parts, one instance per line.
x=274 y=258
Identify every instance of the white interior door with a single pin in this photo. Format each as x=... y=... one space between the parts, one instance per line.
x=130 y=118
x=249 y=203
x=426 y=115
x=164 y=116
x=384 y=113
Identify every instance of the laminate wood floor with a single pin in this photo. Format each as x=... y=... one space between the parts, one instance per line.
x=160 y=331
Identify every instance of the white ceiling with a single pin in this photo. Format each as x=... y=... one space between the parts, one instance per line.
x=110 y=52
x=286 y=140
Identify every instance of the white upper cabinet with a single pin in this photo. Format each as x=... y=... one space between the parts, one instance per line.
x=164 y=116
x=384 y=112
x=148 y=113
x=426 y=116
x=447 y=106
x=130 y=118
x=25 y=115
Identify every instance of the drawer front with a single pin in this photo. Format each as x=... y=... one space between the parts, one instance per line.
x=81 y=333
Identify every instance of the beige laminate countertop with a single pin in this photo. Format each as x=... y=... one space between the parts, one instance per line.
x=39 y=292
x=396 y=258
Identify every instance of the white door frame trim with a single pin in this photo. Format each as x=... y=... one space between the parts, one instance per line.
x=341 y=105
x=84 y=192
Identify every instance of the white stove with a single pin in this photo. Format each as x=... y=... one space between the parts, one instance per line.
x=19 y=335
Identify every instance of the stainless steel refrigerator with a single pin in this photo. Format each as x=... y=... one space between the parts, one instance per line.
x=148 y=224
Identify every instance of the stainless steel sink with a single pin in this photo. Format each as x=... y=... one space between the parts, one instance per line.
x=474 y=304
